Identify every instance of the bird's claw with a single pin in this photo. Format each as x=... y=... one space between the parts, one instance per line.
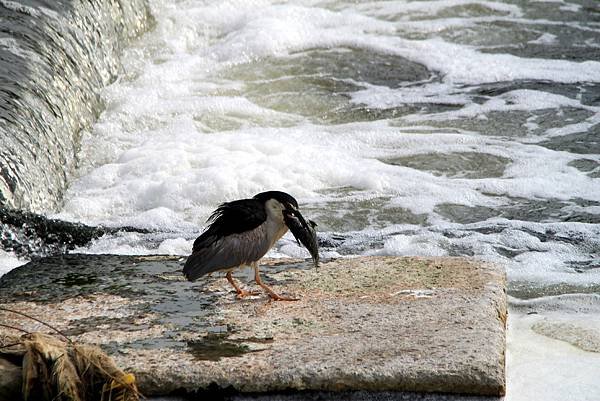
x=275 y=297
x=243 y=293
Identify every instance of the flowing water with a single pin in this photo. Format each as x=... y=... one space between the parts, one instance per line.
x=451 y=127
x=54 y=58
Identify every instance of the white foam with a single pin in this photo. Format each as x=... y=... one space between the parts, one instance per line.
x=384 y=97
x=181 y=176
x=516 y=100
x=543 y=368
x=430 y=8
x=539 y=261
x=584 y=305
x=464 y=65
x=249 y=32
x=545 y=39
x=120 y=244
x=413 y=245
x=173 y=183
x=574 y=128
x=564 y=5
x=175 y=246
x=9 y=261
x=177 y=139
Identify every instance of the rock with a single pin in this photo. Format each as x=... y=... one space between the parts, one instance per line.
x=364 y=324
x=33 y=235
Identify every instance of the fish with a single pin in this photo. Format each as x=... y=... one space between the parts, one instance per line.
x=305 y=233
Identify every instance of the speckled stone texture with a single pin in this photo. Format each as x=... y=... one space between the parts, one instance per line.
x=363 y=324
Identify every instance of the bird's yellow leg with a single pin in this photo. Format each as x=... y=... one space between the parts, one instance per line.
x=240 y=293
x=269 y=291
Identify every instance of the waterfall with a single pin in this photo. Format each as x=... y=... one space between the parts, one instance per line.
x=54 y=57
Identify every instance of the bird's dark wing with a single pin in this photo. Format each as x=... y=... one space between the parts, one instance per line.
x=220 y=246
x=237 y=217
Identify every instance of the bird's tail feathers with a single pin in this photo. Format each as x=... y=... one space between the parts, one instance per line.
x=194 y=268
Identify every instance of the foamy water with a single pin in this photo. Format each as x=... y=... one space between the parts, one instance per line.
x=448 y=127
x=9 y=261
x=392 y=116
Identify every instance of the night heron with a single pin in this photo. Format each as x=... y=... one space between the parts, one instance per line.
x=242 y=231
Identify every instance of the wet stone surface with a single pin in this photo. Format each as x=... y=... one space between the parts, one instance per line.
x=361 y=324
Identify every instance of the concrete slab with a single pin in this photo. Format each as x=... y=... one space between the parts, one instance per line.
x=365 y=324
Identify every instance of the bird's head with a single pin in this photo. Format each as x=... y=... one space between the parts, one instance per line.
x=278 y=203
x=284 y=206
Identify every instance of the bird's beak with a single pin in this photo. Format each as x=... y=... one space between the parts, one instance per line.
x=303 y=231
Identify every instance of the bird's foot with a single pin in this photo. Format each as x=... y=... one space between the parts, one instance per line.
x=243 y=293
x=275 y=297
x=272 y=295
